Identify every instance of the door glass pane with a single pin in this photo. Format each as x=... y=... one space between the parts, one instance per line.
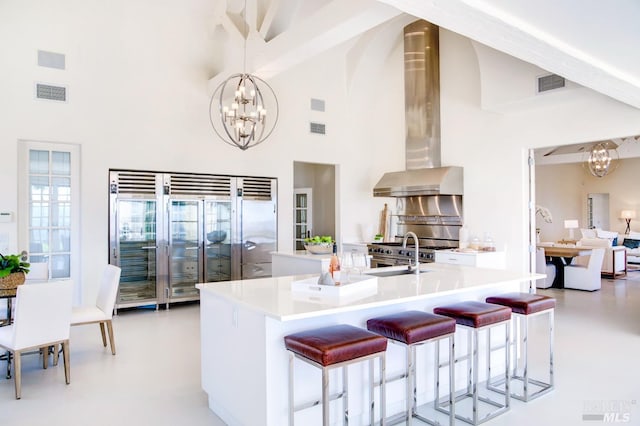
x=184 y=263
x=60 y=240
x=38 y=162
x=39 y=188
x=60 y=266
x=61 y=163
x=301 y=216
x=38 y=241
x=218 y=241
x=61 y=214
x=60 y=189
x=301 y=200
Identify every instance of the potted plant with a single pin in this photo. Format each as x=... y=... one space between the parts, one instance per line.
x=12 y=271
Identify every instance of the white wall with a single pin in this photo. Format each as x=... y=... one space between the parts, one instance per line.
x=137 y=77
x=137 y=74
x=492 y=147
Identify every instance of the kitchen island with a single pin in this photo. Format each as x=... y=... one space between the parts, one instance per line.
x=244 y=362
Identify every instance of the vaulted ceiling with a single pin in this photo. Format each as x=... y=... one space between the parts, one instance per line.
x=590 y=42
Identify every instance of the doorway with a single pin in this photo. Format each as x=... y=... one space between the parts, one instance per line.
x=319 y=181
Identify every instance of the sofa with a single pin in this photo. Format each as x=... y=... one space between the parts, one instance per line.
x=632 y=246
x=615 y=256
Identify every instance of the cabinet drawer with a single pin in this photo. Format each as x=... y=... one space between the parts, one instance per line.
x=456 y=258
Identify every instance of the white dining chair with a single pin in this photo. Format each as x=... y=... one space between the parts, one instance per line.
x=102 y=311
x=580 y=277
x=42 y=319
x=542 y=267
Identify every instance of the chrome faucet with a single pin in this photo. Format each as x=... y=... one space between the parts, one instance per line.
x=404 y=246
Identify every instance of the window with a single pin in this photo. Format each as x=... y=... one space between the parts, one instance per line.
x=49 y=202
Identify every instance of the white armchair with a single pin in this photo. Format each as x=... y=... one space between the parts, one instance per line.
x=615 y=257
x=581 y=277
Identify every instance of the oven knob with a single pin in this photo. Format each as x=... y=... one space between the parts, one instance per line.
x=388 y=252
x=409 y=253
x=423 y=255
x=400 y=252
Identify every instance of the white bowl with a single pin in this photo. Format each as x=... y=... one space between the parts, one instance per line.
x=319 y=248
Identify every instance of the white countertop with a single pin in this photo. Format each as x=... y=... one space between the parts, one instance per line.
x=302 y=254
x=273 y=296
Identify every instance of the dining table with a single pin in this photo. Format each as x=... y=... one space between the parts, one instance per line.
x=560 y=256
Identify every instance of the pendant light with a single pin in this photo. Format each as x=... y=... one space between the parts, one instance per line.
x=602 y=159
x=243 y=109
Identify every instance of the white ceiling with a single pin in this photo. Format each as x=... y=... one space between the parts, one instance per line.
x=590 y=42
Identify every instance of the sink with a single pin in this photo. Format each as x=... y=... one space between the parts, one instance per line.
x=395 y=273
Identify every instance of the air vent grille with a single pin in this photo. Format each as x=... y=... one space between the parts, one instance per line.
x=317 y=128
x=317 y=105
x=137 y=183
x=186 y=184
x=550 y=82
x=51 y=59
x=259 y=188
x=52 y=93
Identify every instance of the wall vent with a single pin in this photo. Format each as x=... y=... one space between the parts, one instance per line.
x=317 y=105
x=51 y=59
x=51 y=93
x=318 y=128
x=550 y=82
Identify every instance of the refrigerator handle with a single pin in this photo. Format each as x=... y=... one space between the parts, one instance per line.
x=249 y=245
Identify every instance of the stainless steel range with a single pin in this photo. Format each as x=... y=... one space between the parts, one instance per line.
x=393 y=254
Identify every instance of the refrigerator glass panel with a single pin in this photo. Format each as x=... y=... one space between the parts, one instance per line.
x=136 y=227
x=184 y=261
x=217 y=236
x=258 y=234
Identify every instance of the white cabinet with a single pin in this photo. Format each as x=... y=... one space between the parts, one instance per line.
x=488 y=259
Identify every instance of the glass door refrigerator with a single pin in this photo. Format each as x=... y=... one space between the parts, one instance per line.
x=134 y=229
x=185 y=250
x=170 y=231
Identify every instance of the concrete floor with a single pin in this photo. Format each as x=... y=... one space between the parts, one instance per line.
x=155 y=376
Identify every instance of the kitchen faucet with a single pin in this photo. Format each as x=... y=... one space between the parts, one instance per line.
x=404 y=246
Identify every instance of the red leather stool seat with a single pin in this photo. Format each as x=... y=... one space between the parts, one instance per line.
x=335 y=344
x=524 y=303
x=475 y=314
x=412 y=326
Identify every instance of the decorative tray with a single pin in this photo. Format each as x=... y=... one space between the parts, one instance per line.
x=358 y=287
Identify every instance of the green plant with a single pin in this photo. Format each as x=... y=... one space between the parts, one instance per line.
x=11 y=263
x=319 y=239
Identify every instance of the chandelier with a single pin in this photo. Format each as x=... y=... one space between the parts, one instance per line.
x=241 y=112
x=600 y=161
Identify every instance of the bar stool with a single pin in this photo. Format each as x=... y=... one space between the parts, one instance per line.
x=525 y=306
x=411 y=329
x=336 y=347
x=474 y=317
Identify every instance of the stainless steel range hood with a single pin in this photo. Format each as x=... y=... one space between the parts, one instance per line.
x=425 y=181
x=423 y=174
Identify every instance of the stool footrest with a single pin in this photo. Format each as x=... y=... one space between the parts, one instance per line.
x=544 y=388
x=310 y=404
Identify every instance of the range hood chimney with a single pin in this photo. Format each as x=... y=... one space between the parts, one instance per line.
x=423 y=174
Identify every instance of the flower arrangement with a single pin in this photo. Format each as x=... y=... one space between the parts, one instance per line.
x=545 y=213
